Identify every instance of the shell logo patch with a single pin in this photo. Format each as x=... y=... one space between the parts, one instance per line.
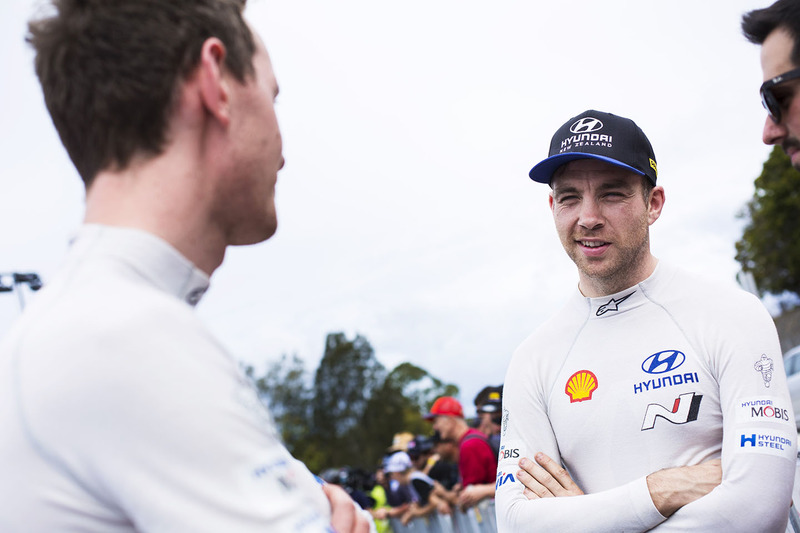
x=580 y=386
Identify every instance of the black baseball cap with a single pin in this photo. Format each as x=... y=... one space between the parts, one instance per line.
x=598 y=135
x=491 y=406
x=420 y=445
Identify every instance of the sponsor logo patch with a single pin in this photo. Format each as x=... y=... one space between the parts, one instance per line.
x=508 y=453
x=765 y=366
x=663 y=362
x=503 y=478
x=586 y=125
x=683 y=410
x=766 y=441
x=612 y=305
x=666 y=381
x=584 y=131
x=762 y=409
x=278 y=470
x=580 y=386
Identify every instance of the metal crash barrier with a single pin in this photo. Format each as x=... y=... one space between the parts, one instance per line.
x=478 y=519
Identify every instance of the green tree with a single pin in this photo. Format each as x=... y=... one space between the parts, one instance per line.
x=770 y=245
x=345 y=380
x=353 y=409
x=420 y=387
x=398 y=405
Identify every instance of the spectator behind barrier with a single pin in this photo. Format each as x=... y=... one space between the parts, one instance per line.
x=490 y=414
x=420 y=451
x=380 y=507
x=401 y=494
x=477 y=463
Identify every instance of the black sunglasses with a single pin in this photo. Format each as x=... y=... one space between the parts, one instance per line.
x=768 y=98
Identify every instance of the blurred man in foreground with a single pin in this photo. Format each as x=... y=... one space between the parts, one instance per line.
x=119 y=410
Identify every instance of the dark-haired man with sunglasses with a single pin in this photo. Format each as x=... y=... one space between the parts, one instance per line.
x=777 y=29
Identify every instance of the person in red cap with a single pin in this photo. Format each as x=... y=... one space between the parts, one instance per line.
x=477 y=463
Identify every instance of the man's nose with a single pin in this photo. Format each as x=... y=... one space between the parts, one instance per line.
x=773 y=133
x=591 y=216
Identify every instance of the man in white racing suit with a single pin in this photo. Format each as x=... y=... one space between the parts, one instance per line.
x=646 y=386
x=119 y=411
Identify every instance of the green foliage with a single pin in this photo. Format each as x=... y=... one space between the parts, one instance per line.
x=345 y=380
x=398 y=405
x=354 y=406
x=419 y=386
x=770 y=244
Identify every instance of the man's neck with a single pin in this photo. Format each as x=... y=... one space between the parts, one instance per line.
x=463 y=432
x=595 y=287
x=153 y=197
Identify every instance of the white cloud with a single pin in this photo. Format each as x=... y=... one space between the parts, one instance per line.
x=405 y=210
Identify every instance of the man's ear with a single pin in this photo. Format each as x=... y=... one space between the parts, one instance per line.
x=656 y=204
x=214 y=86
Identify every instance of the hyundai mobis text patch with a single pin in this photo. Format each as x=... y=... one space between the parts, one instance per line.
x=764 y=409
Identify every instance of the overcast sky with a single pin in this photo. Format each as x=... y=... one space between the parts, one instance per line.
x=406 y=213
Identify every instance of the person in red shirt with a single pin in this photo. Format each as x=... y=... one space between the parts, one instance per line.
x=477 y=463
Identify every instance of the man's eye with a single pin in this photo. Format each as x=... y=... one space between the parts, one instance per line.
x=784 y=98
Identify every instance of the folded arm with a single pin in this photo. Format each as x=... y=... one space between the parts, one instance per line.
x=670 y=488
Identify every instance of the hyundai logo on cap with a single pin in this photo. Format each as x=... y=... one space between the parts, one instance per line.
x=586 y=125
x=603 y=136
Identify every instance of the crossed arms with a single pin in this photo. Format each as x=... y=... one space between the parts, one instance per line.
x=670 y=489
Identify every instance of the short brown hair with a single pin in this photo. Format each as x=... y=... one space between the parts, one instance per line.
x=109 y=70
x=759 y=23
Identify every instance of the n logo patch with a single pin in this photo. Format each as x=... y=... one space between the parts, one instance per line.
x=685 y=409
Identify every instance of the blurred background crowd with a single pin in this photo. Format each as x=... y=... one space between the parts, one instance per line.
x=450 y=468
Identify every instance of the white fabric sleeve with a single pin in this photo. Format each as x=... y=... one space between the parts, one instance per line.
x=759 y=442
x=526 y=430
x=153 y=418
